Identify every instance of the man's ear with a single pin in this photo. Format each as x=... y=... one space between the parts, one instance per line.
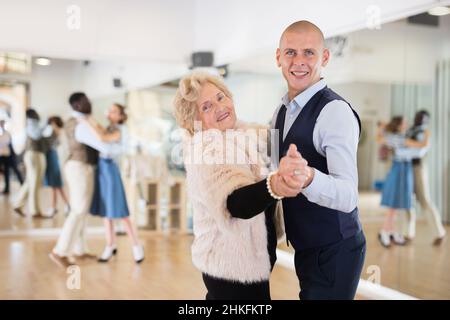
x=278 y=54
x=325 y=57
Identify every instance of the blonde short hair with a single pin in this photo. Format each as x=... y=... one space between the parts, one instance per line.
x=187 y=95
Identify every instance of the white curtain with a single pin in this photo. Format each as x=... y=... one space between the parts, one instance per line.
x=407 y=99
x=440 y=153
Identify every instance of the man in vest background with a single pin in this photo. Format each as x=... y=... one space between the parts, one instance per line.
x=84 y=147
x=322 y=222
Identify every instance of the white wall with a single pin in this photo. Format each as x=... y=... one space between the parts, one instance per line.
x=256 y=96
x=51 y=86
x=97 y=77
x=237 y=29
x=384 y=56
x=168 y=31
x=370 y=100
x=398 y=52
x=108 y=29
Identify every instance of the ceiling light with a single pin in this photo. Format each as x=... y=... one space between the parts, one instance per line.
x=439 y=11
x=43 y=61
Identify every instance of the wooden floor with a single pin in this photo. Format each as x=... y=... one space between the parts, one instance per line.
x=166 y=273
x=11 y=221
x=26 y=272
x=418 y=269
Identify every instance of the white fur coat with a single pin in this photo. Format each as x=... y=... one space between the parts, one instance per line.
x=226 y=247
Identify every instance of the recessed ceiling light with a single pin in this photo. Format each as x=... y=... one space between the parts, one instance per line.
x=439 y=11
x=43 y=61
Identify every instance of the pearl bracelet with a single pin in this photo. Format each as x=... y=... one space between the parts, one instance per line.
x=269 y=188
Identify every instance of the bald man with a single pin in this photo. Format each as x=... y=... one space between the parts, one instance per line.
x=322 y=222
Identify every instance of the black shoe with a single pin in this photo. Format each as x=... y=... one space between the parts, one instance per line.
x=384 y=238
x=408 y=240
x=438 y=241
x=398 y=239
x=19 y=212
x=41 y=216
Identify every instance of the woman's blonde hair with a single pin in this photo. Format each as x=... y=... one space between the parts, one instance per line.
x=187 y=95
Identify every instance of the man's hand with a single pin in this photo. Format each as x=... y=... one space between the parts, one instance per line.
x=281 y=188
x=292 y=175
x=293 y=168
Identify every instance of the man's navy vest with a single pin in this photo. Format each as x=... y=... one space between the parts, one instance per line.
x=309 y=225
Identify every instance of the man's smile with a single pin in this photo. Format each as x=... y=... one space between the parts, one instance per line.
x=299 y=74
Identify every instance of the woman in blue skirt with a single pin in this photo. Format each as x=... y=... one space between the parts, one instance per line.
x=398 y=186
x=52 y=176
x=109 y=199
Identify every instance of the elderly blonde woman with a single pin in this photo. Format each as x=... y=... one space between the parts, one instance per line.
x=235 y=212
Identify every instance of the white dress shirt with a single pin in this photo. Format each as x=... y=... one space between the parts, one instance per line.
x=336 y=137
x=85 y=134
x=33 y=129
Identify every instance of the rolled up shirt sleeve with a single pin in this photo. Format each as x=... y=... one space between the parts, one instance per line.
x=336 y=137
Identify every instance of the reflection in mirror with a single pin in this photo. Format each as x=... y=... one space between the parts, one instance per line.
x=384 y=71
